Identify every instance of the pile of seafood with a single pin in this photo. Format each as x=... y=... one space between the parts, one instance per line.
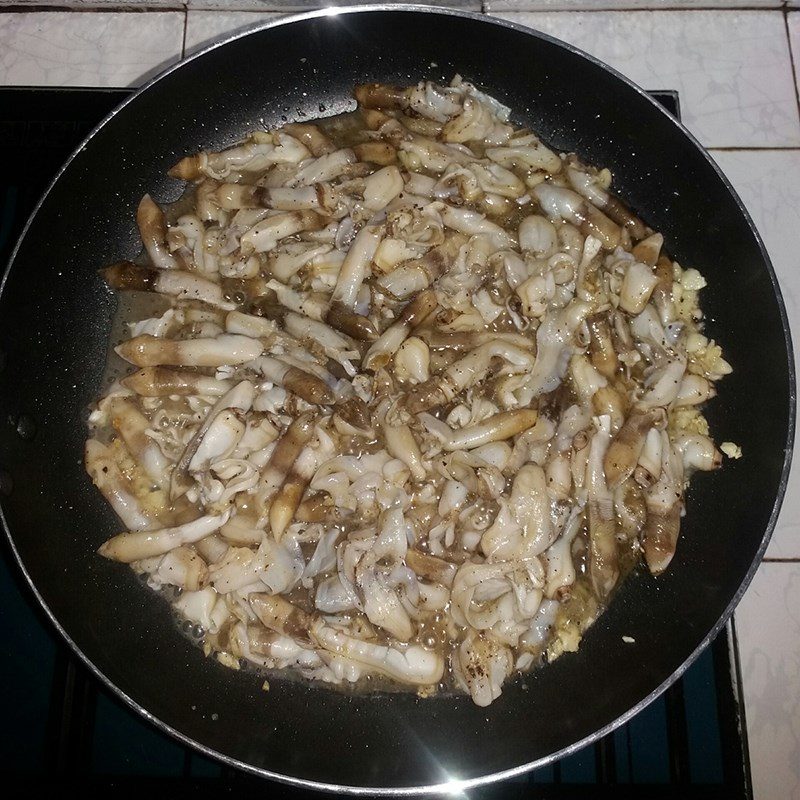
x=419 y=392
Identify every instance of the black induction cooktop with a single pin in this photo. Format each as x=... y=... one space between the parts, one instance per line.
x=61 y=725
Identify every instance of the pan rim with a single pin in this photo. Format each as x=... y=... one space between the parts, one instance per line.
x=455 y=785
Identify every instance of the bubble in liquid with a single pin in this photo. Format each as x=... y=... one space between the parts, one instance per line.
x=6 y=483
x=26 y=427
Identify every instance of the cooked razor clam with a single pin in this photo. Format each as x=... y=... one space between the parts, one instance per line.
x=419 y=394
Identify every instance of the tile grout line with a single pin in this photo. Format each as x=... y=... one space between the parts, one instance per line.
x=778 y=6
x=132 y=8
x=185 y=26
x=791 y=57
x=779 y=560
x=109 y=8
x=787 y=148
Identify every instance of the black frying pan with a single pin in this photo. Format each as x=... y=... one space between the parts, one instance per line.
x=54 y=321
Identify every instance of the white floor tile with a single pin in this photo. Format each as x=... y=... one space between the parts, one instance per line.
x=579 y=5
x=732 y=68
x=287 y=6
x=205 y=27
x=96 y=4
x=491 y=5
x=769 y=184
x=93 y=49
x=768 y=628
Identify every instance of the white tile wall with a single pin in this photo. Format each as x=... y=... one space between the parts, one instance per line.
x=732 y=68
x=578 y=5
x=490 y=5
x=768 y=627
x=286 y=6
x=97 y=4
x=769 y=184
x=205 y=27
x=99 y=49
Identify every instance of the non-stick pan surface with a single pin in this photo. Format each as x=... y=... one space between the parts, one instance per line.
x=54 y=322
